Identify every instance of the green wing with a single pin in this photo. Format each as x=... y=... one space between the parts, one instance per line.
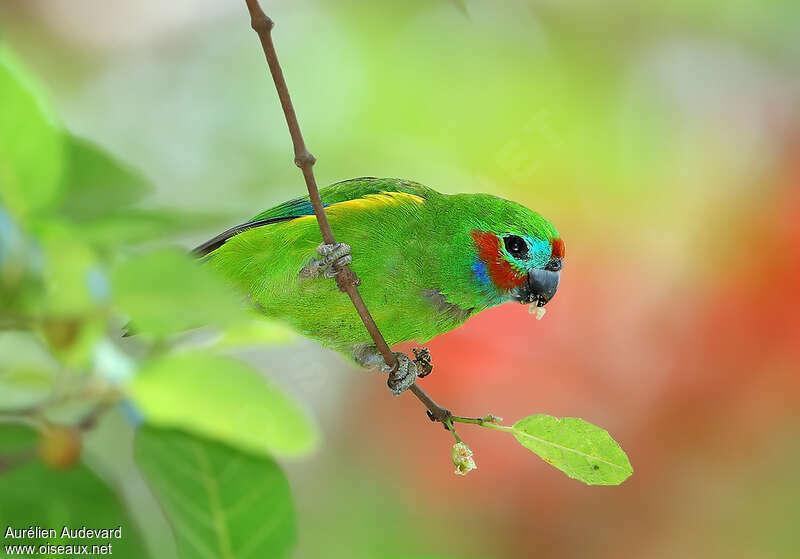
x=344 y=191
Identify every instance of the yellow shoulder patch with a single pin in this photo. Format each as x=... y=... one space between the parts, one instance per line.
x=371 y=201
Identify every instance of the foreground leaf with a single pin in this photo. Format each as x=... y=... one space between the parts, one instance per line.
x=33 y=495
x=134 y=225
x=20 y=271
x=577 y=448
x=69 y=267
x=223 y=399
x=94 y=184
x=30 y=142
x=220 y=502
x=255 y=333
x=165 y=292
x=100 y=194
x=27 y=370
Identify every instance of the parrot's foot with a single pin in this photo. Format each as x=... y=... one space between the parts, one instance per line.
x=403 y=376
x=332 y=259
x=422 y=357
x=401 y=379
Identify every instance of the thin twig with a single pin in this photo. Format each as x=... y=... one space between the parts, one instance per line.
x=302 y=158
x=346 y=279
x=435 y=411
x=26 y=419
x=91 y=418
x=10 y=461
x=448 y=424
x=490 y=422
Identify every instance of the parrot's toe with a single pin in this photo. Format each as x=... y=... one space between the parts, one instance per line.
x=332 y=259
x=404 y=376
x=401 y=379
x=423 y=360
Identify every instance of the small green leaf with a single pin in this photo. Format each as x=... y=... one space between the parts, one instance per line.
x=33 y=495
x=68 y=269
x=31 y=155
x=220 y=502
x=255 y=333
x=164 y=292
x=577 y=448
x=94 y=184
x=133 y=225
x=224 y=399
x=27 y=371
x=73 y=340
x=20 y=271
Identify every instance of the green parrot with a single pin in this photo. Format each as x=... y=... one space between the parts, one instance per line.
x=427 y=262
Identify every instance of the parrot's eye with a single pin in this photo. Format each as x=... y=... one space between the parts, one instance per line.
x=516 y=246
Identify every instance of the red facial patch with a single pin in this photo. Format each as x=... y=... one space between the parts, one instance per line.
x=558 y=248
x=501 y=272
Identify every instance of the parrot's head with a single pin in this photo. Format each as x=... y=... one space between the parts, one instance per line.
x=518 y=254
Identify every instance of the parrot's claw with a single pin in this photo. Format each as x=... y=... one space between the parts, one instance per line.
x=401 y=379
x=332 y=259
x=424 y=361
x=403 y=376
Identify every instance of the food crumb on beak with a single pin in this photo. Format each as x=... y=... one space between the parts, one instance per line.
x=537 y=311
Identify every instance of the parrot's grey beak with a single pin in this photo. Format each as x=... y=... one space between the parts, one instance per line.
x=540 y=287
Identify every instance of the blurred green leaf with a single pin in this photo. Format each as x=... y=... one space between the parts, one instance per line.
x=94 y=183
x=33 y=495
x=68 y=269
x=223 y=399
x=256 y=333
x=132 y=225
x=99 y=194
x=164 y=292
x=577 y=448
x=73 y=340
x=30 y=142
x=219 y=501
x=20 y=271
x=15 y=438
x=27 y=370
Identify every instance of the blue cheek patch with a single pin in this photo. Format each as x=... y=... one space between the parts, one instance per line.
x=481 y=271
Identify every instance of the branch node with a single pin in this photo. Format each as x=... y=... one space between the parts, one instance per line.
x=259 y=21
x=262 y=25
x=440 y=416
x=304 y=159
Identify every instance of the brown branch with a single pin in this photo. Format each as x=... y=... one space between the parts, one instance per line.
x=346 y=279
x=9 y=462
